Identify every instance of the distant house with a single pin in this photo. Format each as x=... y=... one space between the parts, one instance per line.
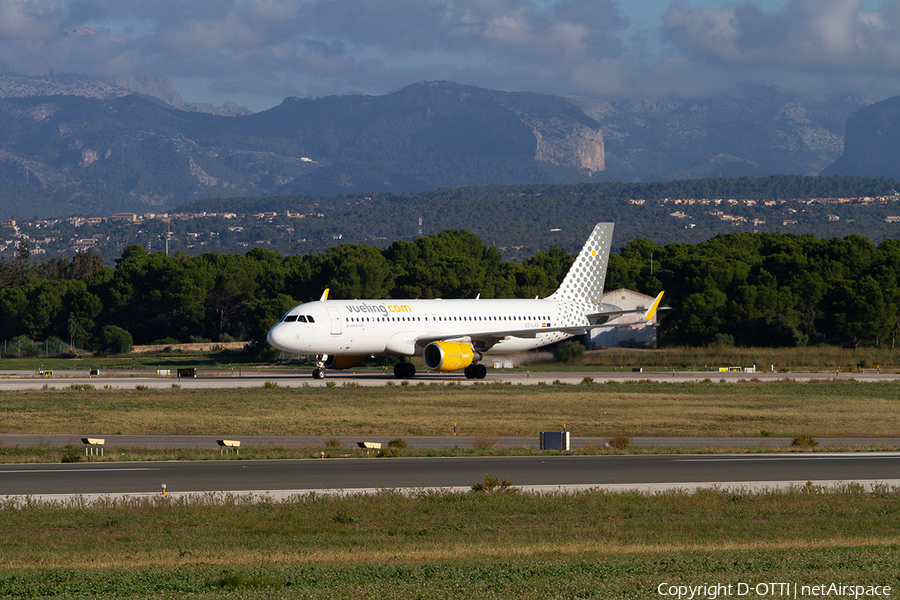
x=640 y=335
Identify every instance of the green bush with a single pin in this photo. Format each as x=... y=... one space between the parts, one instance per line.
x=21 y=346
x=117 y=340
x=569 y=351
x=71 y=454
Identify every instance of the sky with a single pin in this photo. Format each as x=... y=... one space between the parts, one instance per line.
x=257 y=52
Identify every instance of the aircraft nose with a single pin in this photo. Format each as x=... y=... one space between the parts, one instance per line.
x=279 y=337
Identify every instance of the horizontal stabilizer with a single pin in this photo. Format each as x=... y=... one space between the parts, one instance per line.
x=652 y=310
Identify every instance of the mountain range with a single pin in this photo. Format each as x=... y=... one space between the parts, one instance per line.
x=72 y=144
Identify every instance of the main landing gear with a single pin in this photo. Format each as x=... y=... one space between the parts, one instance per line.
x=404 y=370
x=476 y=371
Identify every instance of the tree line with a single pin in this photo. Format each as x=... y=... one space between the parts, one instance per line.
x=744 y=289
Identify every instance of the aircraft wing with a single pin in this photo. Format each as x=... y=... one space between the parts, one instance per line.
x=484 y=340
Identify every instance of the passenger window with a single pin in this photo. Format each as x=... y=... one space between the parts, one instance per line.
x=290 y=318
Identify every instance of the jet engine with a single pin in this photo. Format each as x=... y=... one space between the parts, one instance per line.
x=450 y=356
x=343 y=361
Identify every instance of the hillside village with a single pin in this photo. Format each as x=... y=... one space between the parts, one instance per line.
x=230 y=232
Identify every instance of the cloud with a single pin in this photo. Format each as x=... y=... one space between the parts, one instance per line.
x=274 y=48
x=827 y=43
x=26 y=20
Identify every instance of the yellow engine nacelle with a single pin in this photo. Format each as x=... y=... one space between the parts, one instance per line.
x=343 y=361
x=449 y=356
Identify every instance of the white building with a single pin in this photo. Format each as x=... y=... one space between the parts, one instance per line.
x=641 y=335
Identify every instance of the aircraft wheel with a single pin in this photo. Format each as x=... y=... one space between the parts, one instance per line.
x=479 y=371
x=469 y=372
x=404 y=370
x=318 y=373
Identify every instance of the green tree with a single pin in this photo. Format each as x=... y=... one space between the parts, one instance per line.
x=116 y=340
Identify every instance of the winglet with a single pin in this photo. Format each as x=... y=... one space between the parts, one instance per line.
x=652 y=310
x=324 y=295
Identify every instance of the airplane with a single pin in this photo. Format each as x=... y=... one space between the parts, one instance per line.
x=453 y=335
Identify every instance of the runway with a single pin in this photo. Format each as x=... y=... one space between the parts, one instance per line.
x=283 y=478
x=256 y=377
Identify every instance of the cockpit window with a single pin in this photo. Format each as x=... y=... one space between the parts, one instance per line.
x=290 y=318
x=301 y=318
x=310 y=319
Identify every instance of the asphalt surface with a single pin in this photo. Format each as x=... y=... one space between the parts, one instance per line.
x=563 y=472
x=112 y=441
x=244 y=378
x=285 y=477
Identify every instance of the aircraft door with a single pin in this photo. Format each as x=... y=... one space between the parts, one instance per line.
x=335 y=319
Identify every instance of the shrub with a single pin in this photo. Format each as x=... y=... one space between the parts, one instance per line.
x=569 y=351
x=21 y=346
x=485 y=442
x=804 y=441
x=71 y=454
x=723 y=339
x=620 y=442
x=397 y=443
x=117 y=340
x=494 y=485
x=270 y=385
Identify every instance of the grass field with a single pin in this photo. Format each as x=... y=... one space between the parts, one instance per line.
x=812 y=358
x=783 y=409
x=457 y=545
x=442 y=545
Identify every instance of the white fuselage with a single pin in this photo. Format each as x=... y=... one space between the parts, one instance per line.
x=372 y=327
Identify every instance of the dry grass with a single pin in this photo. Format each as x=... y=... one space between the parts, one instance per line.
x=435 y=527
x=814 y=358
x=782 y=409
x=442 y=545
